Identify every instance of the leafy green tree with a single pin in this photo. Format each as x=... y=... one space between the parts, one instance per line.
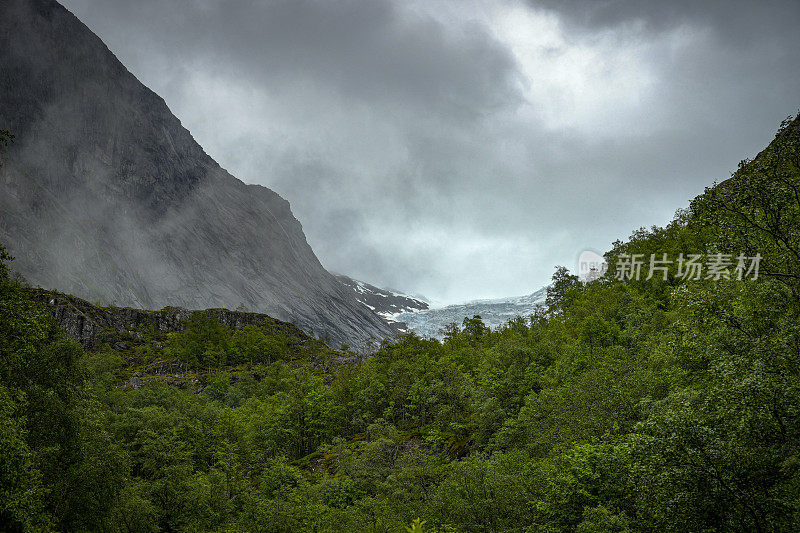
x=757 y=210
x=22 y=491
x=259 y=344
x=204 y=341
x=563 y=288
x=44 y=394
x=601 y=520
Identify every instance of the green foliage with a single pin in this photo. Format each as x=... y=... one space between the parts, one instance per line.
x=636 y=406
x=21 y=489
x=417 y=526
x=757 y=211
x=254 y=344
x=207 y=343
x=53 y=432
x=203 y=342
x=563 y=289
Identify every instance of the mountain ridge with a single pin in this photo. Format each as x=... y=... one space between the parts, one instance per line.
x=107 y=196
x=386 y=303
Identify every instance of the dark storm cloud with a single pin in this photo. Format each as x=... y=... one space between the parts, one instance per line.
x=463 y=149
x=362 y=49
x=736 y=20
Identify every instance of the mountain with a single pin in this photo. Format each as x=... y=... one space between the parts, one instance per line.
x=386 y=303
x=413 y=313
x=105 y=195
x=494 y=313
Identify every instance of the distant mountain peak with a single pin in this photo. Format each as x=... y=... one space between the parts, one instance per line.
x=388 y=304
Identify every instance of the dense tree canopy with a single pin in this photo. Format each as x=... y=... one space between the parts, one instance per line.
x=625 y=406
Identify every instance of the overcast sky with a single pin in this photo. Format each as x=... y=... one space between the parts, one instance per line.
x=462 y=149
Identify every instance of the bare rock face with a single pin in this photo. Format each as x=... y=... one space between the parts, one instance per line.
x=106 y=196
x=89 y=324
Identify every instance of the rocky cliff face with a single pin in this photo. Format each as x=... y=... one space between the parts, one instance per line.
x=105 y=195
x=386 y=303
x=92 y=325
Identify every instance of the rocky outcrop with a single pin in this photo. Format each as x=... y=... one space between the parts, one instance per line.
x=104 y=194
x=91 y=324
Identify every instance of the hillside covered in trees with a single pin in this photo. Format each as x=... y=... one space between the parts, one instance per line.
x=629 y=405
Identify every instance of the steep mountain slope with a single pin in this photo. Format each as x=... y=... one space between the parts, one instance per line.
x=106 y=196
x=386 y=303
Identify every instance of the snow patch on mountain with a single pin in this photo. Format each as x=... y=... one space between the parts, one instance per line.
x=386 y=303
x=416 y=314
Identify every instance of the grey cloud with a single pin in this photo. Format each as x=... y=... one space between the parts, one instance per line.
x=363 y=49
x=405 y=143
x=733 y=20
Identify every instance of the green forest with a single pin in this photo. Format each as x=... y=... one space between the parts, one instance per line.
x=626 y=405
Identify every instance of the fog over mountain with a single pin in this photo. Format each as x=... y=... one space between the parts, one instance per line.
x=462 y=149
x=105 y=195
